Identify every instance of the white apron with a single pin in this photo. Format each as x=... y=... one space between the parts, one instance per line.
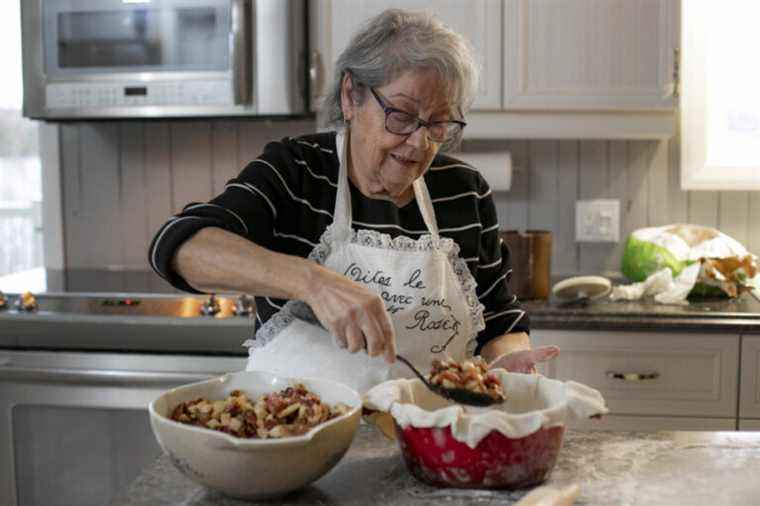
x=426 y=287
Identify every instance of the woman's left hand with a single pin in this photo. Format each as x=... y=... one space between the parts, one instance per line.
x=524 y=361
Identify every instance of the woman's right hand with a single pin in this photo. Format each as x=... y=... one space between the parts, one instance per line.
x=352 y=313
x=216 y=260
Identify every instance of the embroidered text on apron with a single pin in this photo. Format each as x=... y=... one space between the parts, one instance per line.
x=427 y=289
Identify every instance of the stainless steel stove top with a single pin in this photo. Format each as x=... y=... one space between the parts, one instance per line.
x=118 y=309
x=111 y=292
x=125 y=304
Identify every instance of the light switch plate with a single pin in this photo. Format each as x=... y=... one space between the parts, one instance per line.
x=597 y=220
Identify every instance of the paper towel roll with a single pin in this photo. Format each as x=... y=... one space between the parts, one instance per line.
x=495 y=166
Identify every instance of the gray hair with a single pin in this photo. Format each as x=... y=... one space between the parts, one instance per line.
x=396 y=41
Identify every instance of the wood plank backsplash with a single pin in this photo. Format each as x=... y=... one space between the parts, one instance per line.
x=121 y=180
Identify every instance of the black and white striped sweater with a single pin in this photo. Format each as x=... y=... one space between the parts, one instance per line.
x=284 y=201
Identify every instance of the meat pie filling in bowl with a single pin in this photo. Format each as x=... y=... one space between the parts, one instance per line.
x=256 y=435
x=512 y=444
x=290 y=412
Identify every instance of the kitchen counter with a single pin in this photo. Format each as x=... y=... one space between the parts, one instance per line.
x=612 y=468
x=143 y=333
x=73 y=315
x=734 y=316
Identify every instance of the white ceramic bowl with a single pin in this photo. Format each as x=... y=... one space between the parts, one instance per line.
x=254 y=468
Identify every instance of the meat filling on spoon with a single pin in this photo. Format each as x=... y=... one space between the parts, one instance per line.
x=472 y=375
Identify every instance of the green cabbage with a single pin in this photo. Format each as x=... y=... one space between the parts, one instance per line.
x=642 y=259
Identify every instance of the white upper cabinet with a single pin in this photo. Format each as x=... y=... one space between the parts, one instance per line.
x=561 y=69
x=478 y=20
x=590 y=55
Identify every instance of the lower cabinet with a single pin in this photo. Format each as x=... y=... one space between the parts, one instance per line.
x=654 y=423
x=749 y=424
x=652 y=380
x=749 y=402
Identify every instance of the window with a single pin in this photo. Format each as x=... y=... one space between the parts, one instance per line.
x=720 y=102
x=20 y=172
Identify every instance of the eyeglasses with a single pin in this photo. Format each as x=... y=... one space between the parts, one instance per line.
x=400 y=122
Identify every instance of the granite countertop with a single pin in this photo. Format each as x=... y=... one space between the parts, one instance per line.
x=612 y=468
x=740 y=315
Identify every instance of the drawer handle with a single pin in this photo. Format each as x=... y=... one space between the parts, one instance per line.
x=632 y=376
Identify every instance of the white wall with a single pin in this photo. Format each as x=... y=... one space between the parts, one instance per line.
x=122 y=180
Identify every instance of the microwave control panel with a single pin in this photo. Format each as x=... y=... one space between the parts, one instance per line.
x=183 y=93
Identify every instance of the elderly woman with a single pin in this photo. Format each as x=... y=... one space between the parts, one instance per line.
x=365 y=238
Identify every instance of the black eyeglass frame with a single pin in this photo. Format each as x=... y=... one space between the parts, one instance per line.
x=388 y=110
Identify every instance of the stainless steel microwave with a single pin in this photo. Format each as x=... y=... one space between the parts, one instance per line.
x=163 y=58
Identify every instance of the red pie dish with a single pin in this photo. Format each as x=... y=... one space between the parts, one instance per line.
x=434 y=457
x=509 y=446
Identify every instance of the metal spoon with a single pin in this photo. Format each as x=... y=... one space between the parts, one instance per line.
x=458 y=395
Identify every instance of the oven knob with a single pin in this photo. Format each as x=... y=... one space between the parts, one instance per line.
x=27 y=302
x=211 y=307
x=3 y=301
x=244 y=306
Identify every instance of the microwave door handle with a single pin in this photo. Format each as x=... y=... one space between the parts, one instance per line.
x=241 y=51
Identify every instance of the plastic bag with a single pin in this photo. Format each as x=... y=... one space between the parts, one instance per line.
x=726 y=267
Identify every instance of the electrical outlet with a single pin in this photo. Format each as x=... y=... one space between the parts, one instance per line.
x=597 y=220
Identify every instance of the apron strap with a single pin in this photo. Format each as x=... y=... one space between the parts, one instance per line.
x=422 y=195
x=342 y=215
x=342 y=212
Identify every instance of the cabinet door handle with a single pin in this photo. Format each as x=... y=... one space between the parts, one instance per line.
x=633 y=376
x=316 y=76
